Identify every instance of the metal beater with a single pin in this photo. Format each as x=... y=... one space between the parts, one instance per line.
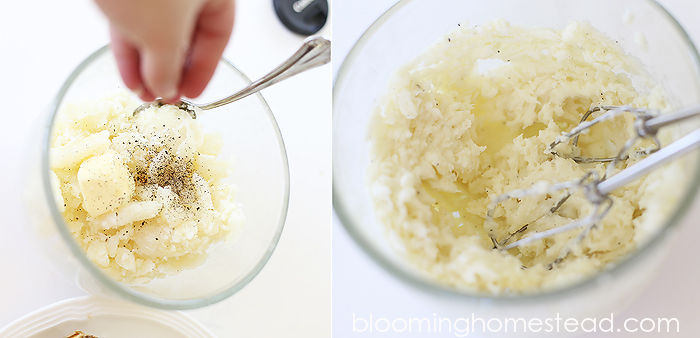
x=595 y=187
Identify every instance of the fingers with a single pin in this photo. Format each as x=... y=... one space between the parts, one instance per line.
x=127 y=57
x=150 y=73
x=152 y=49
x=161 y=69
x=211 y=34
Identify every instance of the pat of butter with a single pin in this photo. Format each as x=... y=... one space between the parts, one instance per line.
x=105 y=183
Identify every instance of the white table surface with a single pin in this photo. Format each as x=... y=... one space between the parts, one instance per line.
x=42 y=41
x=361 y=287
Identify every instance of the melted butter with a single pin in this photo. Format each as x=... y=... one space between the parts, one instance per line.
x=495 y=134
x=453 y=205
x=534 y=129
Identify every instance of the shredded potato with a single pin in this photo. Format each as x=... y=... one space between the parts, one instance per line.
x=471 y=118
x=143 y=195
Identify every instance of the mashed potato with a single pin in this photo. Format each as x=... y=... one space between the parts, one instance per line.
x=471 y=118
x=143 y=195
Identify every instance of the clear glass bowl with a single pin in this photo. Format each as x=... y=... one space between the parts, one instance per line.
x=261 y=176
x=411 y=26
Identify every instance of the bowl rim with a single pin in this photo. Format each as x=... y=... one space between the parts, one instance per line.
x=119 y=288
x=425 y=284
x=83 y=307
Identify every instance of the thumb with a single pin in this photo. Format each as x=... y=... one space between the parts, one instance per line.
x=161 y=69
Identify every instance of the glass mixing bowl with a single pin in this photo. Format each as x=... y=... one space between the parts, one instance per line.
x=411 y=26
x=260 y=174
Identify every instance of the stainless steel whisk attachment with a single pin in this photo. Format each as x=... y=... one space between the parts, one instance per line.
x=597 y=188
x=602 y=204
x=587 y=183
x=642 y=131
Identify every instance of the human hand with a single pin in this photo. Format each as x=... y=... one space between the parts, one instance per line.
x=168 y=48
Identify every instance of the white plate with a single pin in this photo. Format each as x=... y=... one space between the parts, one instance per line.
x=104 y=318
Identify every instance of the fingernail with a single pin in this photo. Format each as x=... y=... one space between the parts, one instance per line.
x=138 y=91
x=169 y=94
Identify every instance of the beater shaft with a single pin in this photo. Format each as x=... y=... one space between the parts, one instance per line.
x=654 y=124
x=668 y=153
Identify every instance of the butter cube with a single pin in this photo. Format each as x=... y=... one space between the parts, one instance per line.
x=105 y=183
